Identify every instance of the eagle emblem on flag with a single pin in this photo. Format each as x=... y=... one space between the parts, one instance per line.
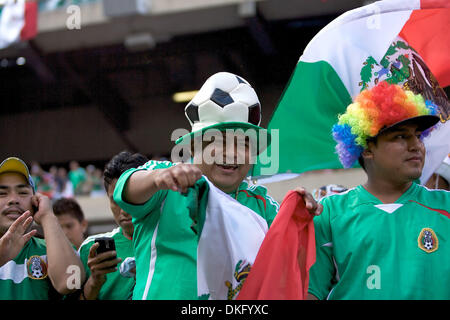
x=240 y=274
x=402 y=65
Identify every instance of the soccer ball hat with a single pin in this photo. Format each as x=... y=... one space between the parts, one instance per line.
x=16 y=165
x=225 y=101
x=376 y=110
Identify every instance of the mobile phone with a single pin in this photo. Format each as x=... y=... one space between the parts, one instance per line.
x=106 y=244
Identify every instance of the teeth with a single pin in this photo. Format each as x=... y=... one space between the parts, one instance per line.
x=13 y=212
x=228 y=166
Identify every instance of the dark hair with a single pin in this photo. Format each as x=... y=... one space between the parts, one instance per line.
x=119 y=164
x=68 y=206
x=361 y=159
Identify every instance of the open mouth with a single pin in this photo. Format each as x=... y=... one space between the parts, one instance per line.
x=228 y=167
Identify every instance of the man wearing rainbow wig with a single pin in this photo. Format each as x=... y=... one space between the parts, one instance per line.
x=388 y=238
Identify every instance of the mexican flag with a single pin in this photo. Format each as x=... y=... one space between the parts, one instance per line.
x=18 y=21
x=406 y=42
x=229 y=237
x=239 y=258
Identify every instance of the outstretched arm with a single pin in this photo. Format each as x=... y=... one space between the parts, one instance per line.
x=143 y=184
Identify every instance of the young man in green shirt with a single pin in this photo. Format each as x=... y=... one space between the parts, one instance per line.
x=72 y=221
x=77 y=175
x=387 y=238
x=105 y=281
x=31 y=267
x=165 y=245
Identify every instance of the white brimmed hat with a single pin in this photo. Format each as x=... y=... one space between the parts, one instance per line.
x=225 y=101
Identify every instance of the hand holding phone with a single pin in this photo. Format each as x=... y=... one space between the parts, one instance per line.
x=105 y=244
x=102 y=260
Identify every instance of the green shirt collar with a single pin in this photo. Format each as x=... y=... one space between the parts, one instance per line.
x=371 y=198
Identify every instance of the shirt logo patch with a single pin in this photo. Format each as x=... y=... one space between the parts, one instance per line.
x=428 y=240
x=36 y=268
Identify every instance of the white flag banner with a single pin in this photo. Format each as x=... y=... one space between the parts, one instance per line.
x=12 y=20
x=229 y=240
x=437 y=148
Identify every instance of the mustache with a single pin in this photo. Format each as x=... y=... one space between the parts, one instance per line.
x=13 y=209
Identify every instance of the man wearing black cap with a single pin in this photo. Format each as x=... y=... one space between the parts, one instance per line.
x=29 y=266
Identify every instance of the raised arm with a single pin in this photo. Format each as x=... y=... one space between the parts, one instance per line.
x=60 y=253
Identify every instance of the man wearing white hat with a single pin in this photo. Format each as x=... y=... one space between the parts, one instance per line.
x=31 y=267
x=225 y=110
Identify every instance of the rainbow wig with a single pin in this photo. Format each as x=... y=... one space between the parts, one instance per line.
x=373 y=109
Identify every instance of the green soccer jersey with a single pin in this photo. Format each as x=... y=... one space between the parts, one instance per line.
x=26 y=277
x=116 y=287
x=165 y=245
x=76 y=177
x=370 y=250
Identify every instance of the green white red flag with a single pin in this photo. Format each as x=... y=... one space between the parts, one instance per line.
x=406 y=42
x=18 y=21
x=229 y=237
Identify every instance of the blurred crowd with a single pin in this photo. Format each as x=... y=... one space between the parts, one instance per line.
x=59 y=182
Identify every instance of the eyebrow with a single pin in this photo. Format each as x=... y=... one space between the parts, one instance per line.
x=19 y=186
x=24 y=186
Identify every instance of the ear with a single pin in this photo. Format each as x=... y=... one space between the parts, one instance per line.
x=84 y=225
x=368 y=152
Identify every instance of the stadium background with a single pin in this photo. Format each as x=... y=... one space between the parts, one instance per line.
x=89 y=92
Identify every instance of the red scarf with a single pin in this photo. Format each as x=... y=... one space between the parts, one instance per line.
x=281 y=268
